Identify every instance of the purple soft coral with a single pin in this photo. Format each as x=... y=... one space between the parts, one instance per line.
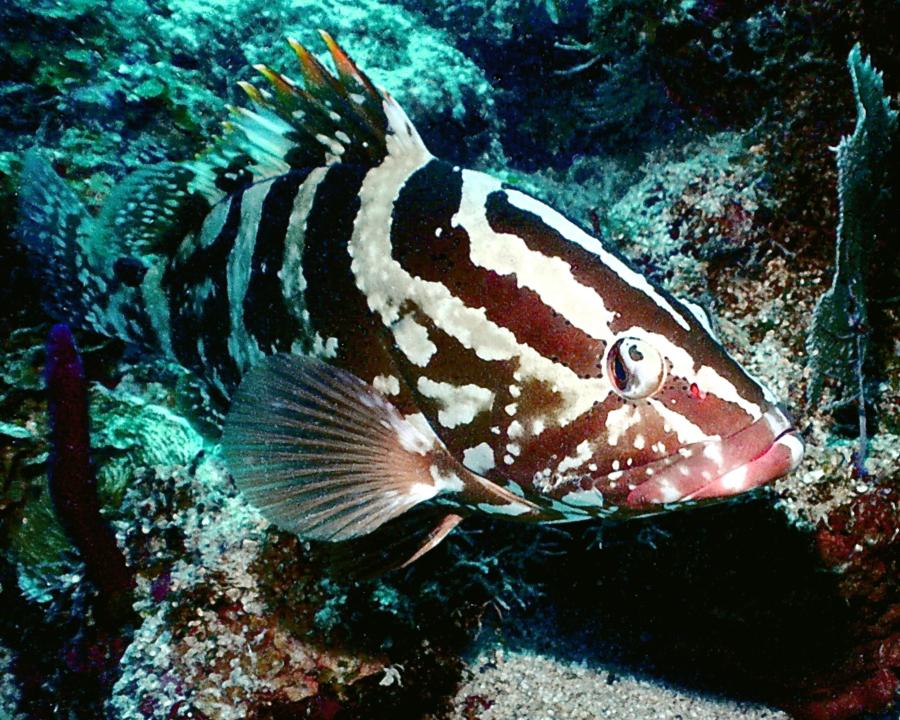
x=72 y=483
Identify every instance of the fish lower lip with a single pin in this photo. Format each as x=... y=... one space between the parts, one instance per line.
x=752 y=457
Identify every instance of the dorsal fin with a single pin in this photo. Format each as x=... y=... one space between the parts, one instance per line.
x=340 y=117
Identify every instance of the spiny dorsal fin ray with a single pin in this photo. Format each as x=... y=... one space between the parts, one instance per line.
x=340 y=117
x=351 y=76
x=325 y=455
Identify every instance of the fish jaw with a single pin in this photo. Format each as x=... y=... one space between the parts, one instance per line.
x=764 y=451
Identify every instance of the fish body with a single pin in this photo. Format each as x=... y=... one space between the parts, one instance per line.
x=394 y=329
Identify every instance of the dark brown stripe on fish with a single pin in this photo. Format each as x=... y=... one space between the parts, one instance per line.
x=458 y=365
x=635 y=308
x=427 y=245
x=337 y=307
x=706 y=411
x=183 y=281
x=504 y=217
x=266 y=317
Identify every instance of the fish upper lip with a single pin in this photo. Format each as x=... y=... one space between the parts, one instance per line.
x=763 y=451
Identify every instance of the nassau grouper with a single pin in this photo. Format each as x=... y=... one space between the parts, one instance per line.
x=393 y=329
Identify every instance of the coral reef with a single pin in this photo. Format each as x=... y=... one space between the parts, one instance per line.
x=860 y=542
x=210 y=643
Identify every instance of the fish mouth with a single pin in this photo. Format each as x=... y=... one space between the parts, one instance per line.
x=757 y=455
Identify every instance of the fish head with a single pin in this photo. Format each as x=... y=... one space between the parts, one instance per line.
x=676 y=419
x=650 y=410
x=685 y=422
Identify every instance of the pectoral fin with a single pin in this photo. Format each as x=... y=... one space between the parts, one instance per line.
x=323 y=454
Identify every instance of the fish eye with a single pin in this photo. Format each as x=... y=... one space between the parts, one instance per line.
x=635 y=368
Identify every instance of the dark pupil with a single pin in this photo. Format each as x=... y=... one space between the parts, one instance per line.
x=619 y=371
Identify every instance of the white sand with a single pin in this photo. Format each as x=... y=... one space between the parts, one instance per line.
x=536 y=687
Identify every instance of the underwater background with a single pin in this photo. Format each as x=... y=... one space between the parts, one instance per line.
x=741 y=154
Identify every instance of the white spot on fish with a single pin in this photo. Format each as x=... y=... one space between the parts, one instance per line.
x=668 y=492
x=458 y=404
x=736 y=480
x=446 y=482
x=410 y=437
x=794 y=446
x=618 y=421
x=413 y=341
x=582 y=454
x=714 y=453
x=326 y=348
x=420 y=423
x=480 y=458
x=420 y=492
x=513 y=508
x=386 y=384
